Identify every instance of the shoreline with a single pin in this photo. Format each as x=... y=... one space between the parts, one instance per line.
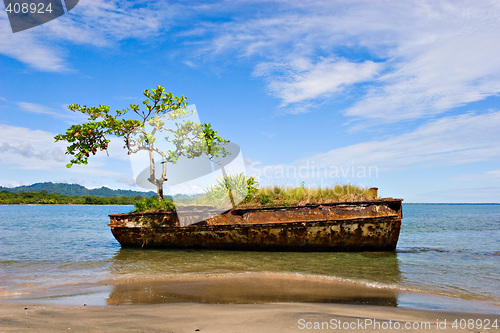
x=248 y=288
x=270 y=317
x=240 y=303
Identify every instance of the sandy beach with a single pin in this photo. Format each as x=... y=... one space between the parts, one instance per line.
x=189 y=317
x=244 y=303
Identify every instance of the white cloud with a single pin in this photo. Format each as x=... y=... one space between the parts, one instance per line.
x=30 y=149
x=116 y=149
x=300 y=80
x=127 y=180
x=448 y=141
x=450 y=72
x=91 y=22
x=414 y=59
x=30 y=49
x=11 y=183
x=36 y=150
x=435 y=55
x=63 y=113
x=36 y=108
x=101 y=23
x=95 y=169
x=493 y=175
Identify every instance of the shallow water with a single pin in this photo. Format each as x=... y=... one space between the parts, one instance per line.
x=450 y=250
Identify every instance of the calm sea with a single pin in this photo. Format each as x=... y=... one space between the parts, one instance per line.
x=451 y=250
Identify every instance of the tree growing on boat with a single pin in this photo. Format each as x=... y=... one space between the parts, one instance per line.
x=142 y=131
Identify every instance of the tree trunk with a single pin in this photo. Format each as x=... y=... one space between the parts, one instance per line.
x=160 y=191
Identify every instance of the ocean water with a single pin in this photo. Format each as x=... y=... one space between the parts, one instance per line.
x=445 y=250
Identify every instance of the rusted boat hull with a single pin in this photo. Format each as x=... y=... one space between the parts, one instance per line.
x=361 y=226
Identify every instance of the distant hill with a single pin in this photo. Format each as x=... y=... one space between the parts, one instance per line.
x=75 y=189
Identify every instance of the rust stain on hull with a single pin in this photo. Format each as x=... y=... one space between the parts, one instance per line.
x=354 y=226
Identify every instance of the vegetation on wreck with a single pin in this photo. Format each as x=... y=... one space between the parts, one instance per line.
x=153 y=204
x=255 y=196
x=283 y=195
x=295 y=196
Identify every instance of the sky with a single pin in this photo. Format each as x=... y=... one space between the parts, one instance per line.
x=399 y=95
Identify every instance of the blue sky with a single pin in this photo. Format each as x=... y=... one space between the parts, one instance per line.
x=401 y=95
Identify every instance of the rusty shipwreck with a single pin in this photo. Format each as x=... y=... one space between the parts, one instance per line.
x=344 y=226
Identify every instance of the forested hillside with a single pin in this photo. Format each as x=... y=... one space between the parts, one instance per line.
x=74 y=189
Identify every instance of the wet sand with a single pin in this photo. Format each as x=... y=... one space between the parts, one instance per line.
x=190 y=317
x=243 y=303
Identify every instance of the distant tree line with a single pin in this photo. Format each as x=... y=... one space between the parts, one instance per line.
x=75 y=189
x=43 y=197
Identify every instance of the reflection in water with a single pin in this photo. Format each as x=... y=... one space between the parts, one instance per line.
x=166 y=276
x=250 y=288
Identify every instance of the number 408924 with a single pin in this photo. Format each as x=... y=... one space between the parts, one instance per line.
x=485 y=324
x=25 y=8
